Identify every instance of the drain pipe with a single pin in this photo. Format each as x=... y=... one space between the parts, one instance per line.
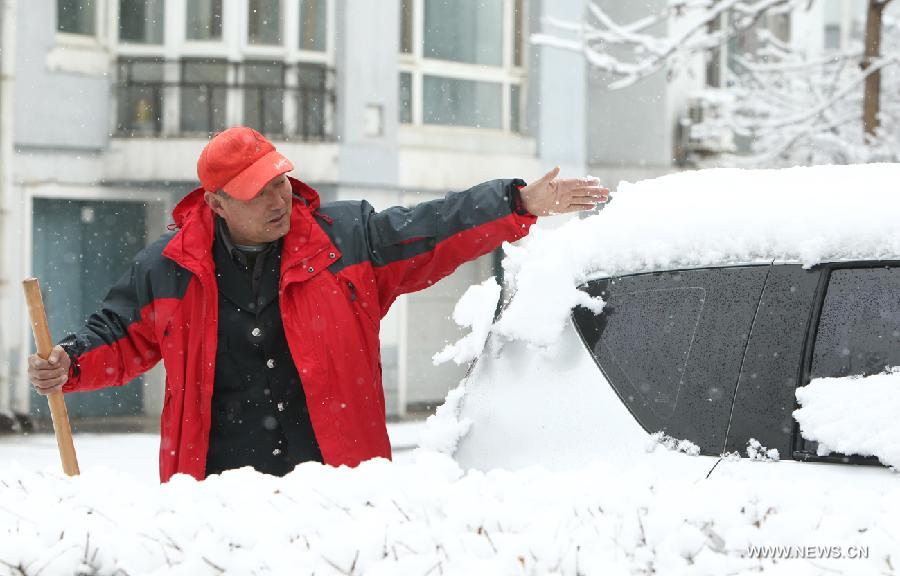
x=10 y=250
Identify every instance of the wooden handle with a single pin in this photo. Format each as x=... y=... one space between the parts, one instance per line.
x=58 y=412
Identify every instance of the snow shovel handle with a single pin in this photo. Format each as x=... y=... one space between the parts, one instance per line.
x=58 y=412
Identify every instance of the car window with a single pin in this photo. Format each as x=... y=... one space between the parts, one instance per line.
x=859 y=327
x=671 y=345
x=649 y=336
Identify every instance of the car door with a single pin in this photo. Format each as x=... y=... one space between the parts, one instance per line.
x=856 y=333
x=833 y=320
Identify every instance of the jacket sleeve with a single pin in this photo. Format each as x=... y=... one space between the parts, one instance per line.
x=118 y=342
x=412 y=248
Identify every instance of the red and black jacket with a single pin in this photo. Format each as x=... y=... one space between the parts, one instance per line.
x=342 y=266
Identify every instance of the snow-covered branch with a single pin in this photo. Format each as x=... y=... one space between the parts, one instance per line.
x=777 y=103
x=631 y=52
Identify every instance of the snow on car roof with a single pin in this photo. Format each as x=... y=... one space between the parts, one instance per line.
x=717 y=217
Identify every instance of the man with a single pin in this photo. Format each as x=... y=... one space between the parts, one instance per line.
x=264 y=307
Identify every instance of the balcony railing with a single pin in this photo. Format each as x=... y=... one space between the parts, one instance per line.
x=157 y=98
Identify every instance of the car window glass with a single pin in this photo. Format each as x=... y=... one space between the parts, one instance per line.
x=859 y=328
x=654 y=367
x=764 y=400
x=671 y=345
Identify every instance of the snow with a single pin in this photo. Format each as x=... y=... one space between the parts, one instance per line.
x=660 y=438
x=431 y=517
x=474 y=310
x=702 y=218
x=444 y=429
x=138 y=454
x=759 y=453
x=853 y=415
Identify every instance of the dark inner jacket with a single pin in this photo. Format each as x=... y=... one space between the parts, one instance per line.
x=259 y=413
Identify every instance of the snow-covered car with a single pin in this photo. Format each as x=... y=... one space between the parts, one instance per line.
x=719 y=313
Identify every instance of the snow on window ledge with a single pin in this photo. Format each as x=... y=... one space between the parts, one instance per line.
x=79 y=54
x=853 y=415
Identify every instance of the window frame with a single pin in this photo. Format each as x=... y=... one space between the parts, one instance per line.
x=261 y=89
x=507 y=74
x=799 y=451
x=119 y=129
x=115 y=27
x=281 y=23
x=182 y=7
x=94 y=40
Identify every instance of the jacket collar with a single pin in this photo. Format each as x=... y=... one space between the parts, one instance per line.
x=192 y=245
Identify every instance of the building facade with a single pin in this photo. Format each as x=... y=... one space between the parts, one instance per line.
x=106 y=104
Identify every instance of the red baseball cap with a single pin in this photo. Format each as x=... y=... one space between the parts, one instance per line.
x=240 y=161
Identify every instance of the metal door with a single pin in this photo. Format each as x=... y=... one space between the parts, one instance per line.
x=81 y=248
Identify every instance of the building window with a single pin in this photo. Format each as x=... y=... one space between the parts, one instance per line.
x=140 y=97
x=313 y=101
x=313 y=25
x=141 y=21
x=515 y=108
x=457 y=102
x=518 y=32
x=264 y=22
x=199 y=97
x=204 y=19
x=464 y=31
x=461 y=63
x=406 y=26
x=279 y=79
x=264 y=96
x=76 y=17
x=405 y=100
x=203 y=96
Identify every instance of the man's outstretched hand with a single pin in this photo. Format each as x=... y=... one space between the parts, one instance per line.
x=550 y=195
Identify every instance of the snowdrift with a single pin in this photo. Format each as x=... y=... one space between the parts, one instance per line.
x=432 y=518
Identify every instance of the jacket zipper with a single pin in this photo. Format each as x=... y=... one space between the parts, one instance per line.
x=352 y=289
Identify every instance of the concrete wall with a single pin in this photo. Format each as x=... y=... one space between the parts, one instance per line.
x=366 y=60
x=62 y=88
x=10 y=215
x=558 y=99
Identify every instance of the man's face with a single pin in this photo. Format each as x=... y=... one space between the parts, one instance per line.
x=264 y=218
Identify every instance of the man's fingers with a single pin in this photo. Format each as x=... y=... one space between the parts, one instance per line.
x=51 y=383
x=45 y=375
x=48 y=391
x=579 y=189
x=549 y=176
x=586 y=193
